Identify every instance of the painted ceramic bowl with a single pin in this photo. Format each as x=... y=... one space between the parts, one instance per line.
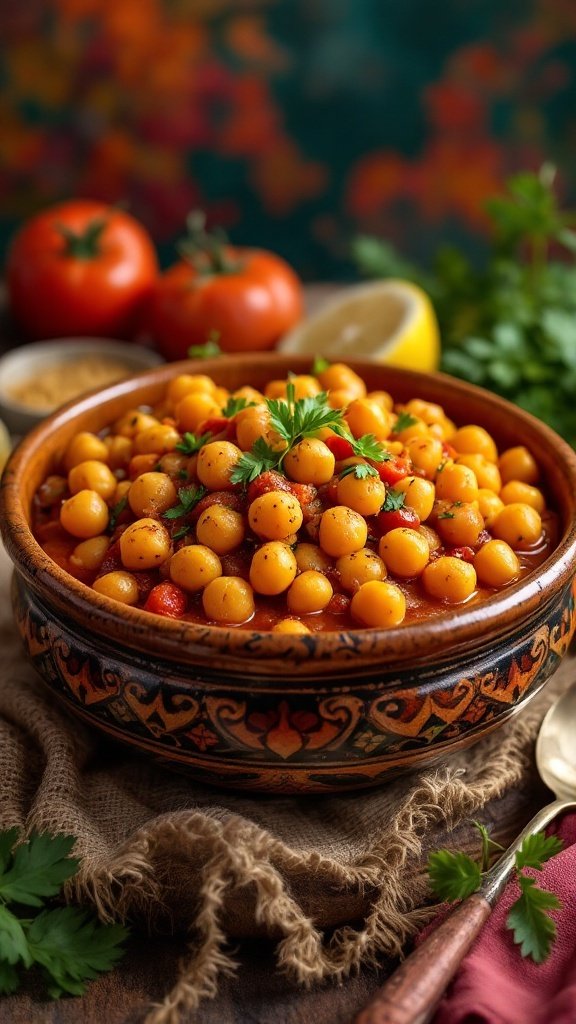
x=281 y=713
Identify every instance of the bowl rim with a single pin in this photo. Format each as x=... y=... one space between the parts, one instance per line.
x=180 y=640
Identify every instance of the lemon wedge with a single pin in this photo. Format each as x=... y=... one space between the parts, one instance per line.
x=389 y=321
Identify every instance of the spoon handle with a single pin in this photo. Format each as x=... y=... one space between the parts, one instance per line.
x=412 y=993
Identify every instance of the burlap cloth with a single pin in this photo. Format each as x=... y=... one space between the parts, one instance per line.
x=334 y=881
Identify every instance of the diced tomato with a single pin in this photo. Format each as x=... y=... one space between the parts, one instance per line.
x=112 y=559
x=166 y=599
x=340 y=447
x=218 y=425
x=464 y=552
x=394 y=469
x=449 y=451
x=226 y=498
x=305 y=493
x=483 y=538
x=145 y=582
x=338 y=604
x=396 y=518
x=270 y=480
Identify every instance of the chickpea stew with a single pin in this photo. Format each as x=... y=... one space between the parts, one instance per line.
x=312 y=505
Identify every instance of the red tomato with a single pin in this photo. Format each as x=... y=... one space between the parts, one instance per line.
x=464 y=552
x=80 y=268
x=248 y=297
x=340 y=447
x=166 y=599
x=397 y=517
x=394 y=469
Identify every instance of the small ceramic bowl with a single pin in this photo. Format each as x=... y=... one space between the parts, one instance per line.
x=315 y=713
x=20 y=365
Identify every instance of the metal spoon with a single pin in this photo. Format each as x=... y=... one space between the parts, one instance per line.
x=411 y=994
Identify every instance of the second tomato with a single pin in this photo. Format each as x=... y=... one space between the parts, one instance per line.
x=248 y=299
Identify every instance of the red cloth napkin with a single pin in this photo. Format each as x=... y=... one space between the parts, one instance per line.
x=495 y=984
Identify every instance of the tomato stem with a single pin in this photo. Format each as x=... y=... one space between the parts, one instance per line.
x=206 y=250
x=83 y=245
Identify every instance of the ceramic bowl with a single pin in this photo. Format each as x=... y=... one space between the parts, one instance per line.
x=27 y=361
x=292 y=714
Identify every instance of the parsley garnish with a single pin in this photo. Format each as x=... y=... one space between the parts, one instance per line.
x=190 y=443
x=234 y=405
x=259 y=459
x=367 y=447
x=68 y=944
x=189 y=498
x=361 y=471
x=393 y=501
x=454 y=876
x=116 y=512
x=404 y=421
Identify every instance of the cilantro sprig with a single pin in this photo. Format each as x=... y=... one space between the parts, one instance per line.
x=404 y=421
x=188 y=498
x=393 y=501
x=192 y=443
x=361 y=471
x=293 y=420
x=454 y=876
x=235 y=404
x=69 y=945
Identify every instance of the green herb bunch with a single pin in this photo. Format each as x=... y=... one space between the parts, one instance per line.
x=454 y=876
x=509 y=325
x=68 y=944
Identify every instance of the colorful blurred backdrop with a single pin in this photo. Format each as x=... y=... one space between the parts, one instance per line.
x=295 y=123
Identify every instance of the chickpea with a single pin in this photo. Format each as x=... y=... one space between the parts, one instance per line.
x=310 y=556
x=489 y=505
x=449 y=579
x=339 y=377
x=134 y=422
x=419 y=493
x=383 y=398
x=487 y=473
x=228 y=599
x=253 y=423
x=152 y=494
x=188 y=384
x=518 y=464
x=84 y=447
x=430 y=536
x=291 y=626
x=92 y=475
x=275 y=389
x=460 y=525
x=310 y=592
x=518 y=491
x=120 y=586
x=474 y=440
x=404 y=551
x=193 y=409
x=310 y=462
x=365 y=416
x=365 y=496
x=175 y=465
x=378 y=604
x=145 y=544
x=90 y=554
x=249 y=394
x=122 y=491
x=430 y=412
x=273 y=568
x=305 y=386
x=159 y=439
x=496 y=564
x=275 y=515
x=456 y=483
x=194 y=566
x=142 y=464
x=216 y=461
x=360 y=567
x=340 y=399
x=221 y=529
x=119 y=451
x=426 y=454
x=342 y=531
x=519 y=525
x=85 y=514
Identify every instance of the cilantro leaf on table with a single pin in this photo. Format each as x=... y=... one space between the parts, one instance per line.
x=73 y=948
x=454 y=876
x=534 y=930
x=37 y=869
x=69 y=944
